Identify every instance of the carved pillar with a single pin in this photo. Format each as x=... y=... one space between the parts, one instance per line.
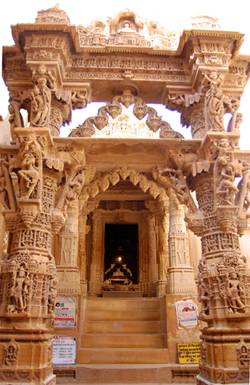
x=223 y=286
x=152 y=253
x=163 y=250
x=68 y=269
x=96 y=268
x=180 y=270
x=83 y=231
x=34 y=209
x=28 y=272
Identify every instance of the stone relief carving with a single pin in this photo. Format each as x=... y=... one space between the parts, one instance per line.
x=214 y=108
x=10 y=353
x=243 y=356
x=103 y=182
x=114 y=109
x=52 y=294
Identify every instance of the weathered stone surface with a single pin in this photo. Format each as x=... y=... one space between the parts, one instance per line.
x=125 y=166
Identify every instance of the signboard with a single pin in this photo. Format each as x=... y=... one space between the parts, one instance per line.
x=65 y=312
x=189 y=353
x=186 y=313
x=63 y=350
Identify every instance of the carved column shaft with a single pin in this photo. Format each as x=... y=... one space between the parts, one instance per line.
x=152 y=248
x=163 y=250
x=180 y=270
x=28 y=293
x=68 y=269
x=96 y=262
x=83 y=231
x=223 y=291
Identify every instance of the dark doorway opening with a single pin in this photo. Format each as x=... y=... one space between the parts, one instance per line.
x=122 y=240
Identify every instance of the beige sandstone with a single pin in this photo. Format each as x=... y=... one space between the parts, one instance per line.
x=58 y=196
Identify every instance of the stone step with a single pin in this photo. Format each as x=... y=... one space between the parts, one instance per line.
x=122 y=340
x=128 y=304
x=93 y=314
x=122 y=356
x=137 y=374
x=121 y=326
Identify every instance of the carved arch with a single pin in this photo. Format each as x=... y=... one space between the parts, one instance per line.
x=102 y=184
x=114 y=109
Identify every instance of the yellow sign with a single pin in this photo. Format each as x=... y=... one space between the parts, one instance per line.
x=189 y=353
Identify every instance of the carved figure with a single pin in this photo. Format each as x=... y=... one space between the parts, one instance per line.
x=15 y=117
x=243 y=196
x=204 y=297
x=19 y=291
x=214 y=108
x=235 y=122
x=52 y=295
x=10 y=353
x=226 y=188
x=30 y=163
x=40 y=103
x=75 y=186
x=3 y=189
x=235 y=293
x=127 y=26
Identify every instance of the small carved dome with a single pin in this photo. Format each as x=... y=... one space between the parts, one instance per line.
x=125 y=21
x=53 y=15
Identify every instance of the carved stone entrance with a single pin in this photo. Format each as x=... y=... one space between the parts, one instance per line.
x=58 y=194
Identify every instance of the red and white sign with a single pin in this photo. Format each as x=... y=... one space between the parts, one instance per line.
x=186 y=313
x=65 y=312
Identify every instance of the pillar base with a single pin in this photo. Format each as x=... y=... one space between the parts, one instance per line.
x=50 y=380
x=178 y=278
x=203 y=381
x=161 y=288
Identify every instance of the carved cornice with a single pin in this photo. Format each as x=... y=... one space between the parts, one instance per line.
x=121 y=46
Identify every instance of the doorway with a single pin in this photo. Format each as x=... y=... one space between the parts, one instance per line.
x=122 y=240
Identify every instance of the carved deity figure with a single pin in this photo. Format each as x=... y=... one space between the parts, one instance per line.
x=52 y=295
x=235 y=122
x=214 y=108
x=40 y=104
x=10 y=353
x=3 y=189
x=15 y=117
x=29 y=173
x=19 y=291
x=75 y=186
x=127 y=26
x=235 y=293
x=203 y=297
x=243 y=196
x=226 y=188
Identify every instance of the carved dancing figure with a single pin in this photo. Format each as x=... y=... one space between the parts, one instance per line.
x=75 y=186
x=214 y=108
x=226 y=186
x=29 y=173
x=40 y=103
